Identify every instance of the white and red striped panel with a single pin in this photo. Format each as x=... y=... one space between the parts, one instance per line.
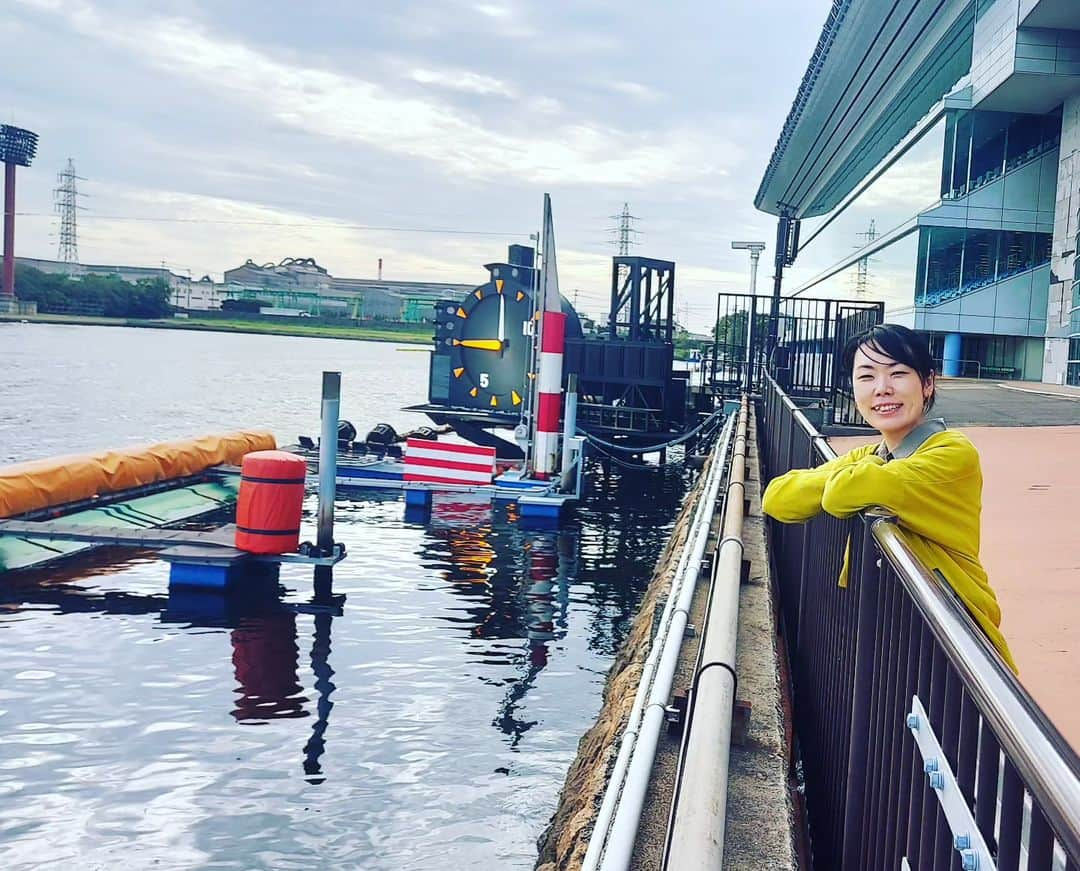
x=445 y=463
x=549 y=393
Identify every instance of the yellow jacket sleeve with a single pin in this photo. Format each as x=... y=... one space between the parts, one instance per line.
x=795 y=497
x=936 y=492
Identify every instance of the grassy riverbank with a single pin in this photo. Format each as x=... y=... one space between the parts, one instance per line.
x=419 y=334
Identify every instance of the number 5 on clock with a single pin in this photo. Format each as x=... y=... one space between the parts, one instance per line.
x=484 y=380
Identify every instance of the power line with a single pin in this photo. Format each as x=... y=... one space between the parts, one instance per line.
x=287 y=225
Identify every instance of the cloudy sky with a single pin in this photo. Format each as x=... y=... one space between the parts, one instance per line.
x=424 y=132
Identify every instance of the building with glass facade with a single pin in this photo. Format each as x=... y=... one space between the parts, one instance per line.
x=993 y=283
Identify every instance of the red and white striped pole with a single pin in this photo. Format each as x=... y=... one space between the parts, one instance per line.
x=549 y=405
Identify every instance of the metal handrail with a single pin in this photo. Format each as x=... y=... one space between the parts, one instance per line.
x=1047 y=763
x=1029 y=739
x=699 y=814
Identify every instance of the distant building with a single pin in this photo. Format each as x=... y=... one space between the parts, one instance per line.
x=127 y=273
x=294 y=283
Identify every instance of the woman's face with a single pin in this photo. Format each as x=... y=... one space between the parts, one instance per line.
x=889 y=395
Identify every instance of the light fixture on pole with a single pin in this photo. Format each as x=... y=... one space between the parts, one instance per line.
x=755 y=249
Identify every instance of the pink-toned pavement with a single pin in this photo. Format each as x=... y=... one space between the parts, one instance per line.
x=1031 y=550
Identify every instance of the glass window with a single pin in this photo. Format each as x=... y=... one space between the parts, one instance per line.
x=1042 y=245
x=960 y=161
x=920 y=270
x=987 y=147
x=1014 y=254
x=1025 y=134
x=1073 y=374
x=980 y=253
x=1050 y=133
x=947 y=155
x=943 y=260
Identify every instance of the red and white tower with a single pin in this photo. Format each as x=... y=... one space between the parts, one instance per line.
x=549 y=370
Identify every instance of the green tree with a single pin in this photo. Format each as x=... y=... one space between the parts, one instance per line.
x=731 y=329
x=108 y=295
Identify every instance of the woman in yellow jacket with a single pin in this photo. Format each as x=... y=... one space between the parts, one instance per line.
x=925 y=474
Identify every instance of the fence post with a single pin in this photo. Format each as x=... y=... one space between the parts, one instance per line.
x=866 y=584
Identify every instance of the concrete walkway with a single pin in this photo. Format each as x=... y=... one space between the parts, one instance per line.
x=1030 y=546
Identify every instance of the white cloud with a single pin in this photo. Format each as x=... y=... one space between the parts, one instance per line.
x=463 y=80
x=492 y=11
x=366 y=113
x=636 y=90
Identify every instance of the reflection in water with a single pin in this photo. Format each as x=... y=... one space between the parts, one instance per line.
x=515 y=583
x=471 y=651
x=324 y=686
x=265 y=653
x=457 y=641
x=266 y=657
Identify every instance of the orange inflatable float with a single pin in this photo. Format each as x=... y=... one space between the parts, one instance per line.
x=48 y=483
x=270 y=502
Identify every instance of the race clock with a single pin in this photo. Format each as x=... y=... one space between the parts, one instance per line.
x=484 y=342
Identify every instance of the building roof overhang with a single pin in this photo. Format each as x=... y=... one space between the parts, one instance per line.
x=877 y=69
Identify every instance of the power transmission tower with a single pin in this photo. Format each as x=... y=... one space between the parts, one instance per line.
x=862 y=272
x=66 y=196
x=624 y=232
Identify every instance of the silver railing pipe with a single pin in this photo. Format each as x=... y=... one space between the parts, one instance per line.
x=615 y=829
x=1022 y=731
x=569 y=427
x=696 y=836
x=328 y=453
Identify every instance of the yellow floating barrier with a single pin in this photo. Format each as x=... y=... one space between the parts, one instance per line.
x=56 y=481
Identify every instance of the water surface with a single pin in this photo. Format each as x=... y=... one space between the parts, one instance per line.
x=427 y=717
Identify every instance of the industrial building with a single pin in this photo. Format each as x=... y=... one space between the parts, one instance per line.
x=994 y=283
x=294 y=284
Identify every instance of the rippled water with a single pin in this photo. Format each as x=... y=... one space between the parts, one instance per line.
x=427 y=717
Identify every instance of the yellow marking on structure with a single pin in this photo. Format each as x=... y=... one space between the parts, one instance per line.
x=520 y=296
x=536 y=317
x=461 y=313
x=494 y=401
x=473 y=392
x=458 y=371
x=478 y=293
x=532 y=375
x=514 y=396
x=499 y=284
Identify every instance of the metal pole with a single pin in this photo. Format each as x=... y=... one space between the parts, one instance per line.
x=696 y=838
x=8 y=289
x=331 y=408
x=778 y=277
x=569 y=423
x=624 y=795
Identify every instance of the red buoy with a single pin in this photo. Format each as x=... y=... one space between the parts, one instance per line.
x=271 y=499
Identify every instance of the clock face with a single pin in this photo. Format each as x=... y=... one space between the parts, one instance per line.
x=490 y=348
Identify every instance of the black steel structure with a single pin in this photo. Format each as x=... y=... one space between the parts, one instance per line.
x=628 y=388
x=804 y=357
x=642 y=300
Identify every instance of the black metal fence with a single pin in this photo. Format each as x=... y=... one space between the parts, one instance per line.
x=810 y=336
x=919 y=748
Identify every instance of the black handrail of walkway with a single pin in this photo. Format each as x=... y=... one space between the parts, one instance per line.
x=919 y=747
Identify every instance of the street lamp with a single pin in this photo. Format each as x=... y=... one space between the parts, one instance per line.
x=755 y=249
x=17 y=148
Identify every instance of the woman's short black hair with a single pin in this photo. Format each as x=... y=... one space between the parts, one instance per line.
x=897 y=343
